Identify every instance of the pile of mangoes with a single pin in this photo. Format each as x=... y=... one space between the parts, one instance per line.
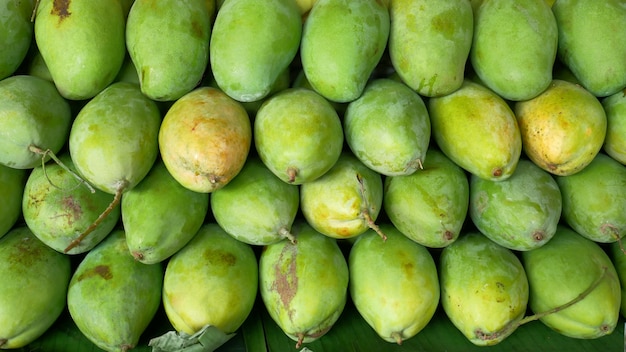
x=471 y=155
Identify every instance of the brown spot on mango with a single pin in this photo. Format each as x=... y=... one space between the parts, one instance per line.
x=60 y=8
x=286 y=276
x=100 y=270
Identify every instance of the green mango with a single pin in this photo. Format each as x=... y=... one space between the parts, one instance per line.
x=615 y=139
x=34 y=286
x=592 y=43
x=204 y=139
x=268 y=205
x=298 y=135
x=57 y=207
x=160 y=215
x=342 y=42
x=113 y=140
x=394 y=285
x=304 y=286
x=514 y=47
x=594 y=199
x=484 y=288
x=519 y=213
x=82 y=43
x=112 y=297
x=168 y=42
x=388 y=128
x=429 y=43
x=618 y=257
x=477 y=130
x=17 y=33
x=563 y=128
x=430 y=205
x=247 y=56
x=34 y=118
x=37 y=67
x=12 y=183
x=561 y=270
x=345 y=201
x=213 y=281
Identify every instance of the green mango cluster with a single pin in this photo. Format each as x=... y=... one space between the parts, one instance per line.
x=467 y=156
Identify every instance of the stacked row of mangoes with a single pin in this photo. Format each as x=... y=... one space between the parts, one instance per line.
x=470 y=154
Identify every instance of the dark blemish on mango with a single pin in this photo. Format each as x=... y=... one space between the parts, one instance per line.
x=286 y=276
x=217 y=257
x=101 y=270
x=60 y=8
x=74 y=209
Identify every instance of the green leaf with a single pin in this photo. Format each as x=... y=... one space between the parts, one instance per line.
x=207 y=339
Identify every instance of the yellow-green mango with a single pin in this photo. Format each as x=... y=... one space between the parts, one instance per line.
x=514 y=46
x=342 y=42
x=160 y=215
x=82 y=43
x=168 y=42
x=484 y=288
x=388 y=128
x=298 y=135
x=16 y=33
x=430 y=205
x=563 y=128
x=429 y=43
x=560 y=271
x=594 y=199
x=615 y=139
x=592 y=42
x=394 y=285
x=112 y=297
x=256 y=207
x=57 y=207
x=34 y=285
x=477 y=130
x=617 y=255
x=12 y=183
x=34 y=118
x=213 y=281
x=345 y=201
x=519 y=213
x=304 y=286
x=252 y=43
x=204 y=139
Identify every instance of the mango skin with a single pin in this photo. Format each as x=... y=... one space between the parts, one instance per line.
x=615 y=139
x=34 y=287
x=619 y=261
x=204 y=139
x=484 y=288
x=17 y=33
x=160 y=216
x=335 y=203
x=520 y=213
x=477 y=130
x=562 y=269
x=394 y=284
x=212 y=280
x=112 y=297
x=268 y=205
x=82 y=44
x=57 y=208
x=563 y=128
x=594 y=199
x=32 y=113
x=514 y=47
x=429 y=43
x=304 y=286
x=298 y=135
x=395 y=117
x=113 y=140
x=168 y=41
x=584 y=45
x=247 y=56
x=430 y=205
x=12 y=182
x=342 y=42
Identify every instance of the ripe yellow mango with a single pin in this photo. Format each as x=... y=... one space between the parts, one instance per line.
x=429 y=43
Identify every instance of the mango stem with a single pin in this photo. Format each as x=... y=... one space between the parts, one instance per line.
x=365 y=210
x=47 y=152
x=116 y=201
x=34 y=14
x=397 y=336
x=300 y=340
x=285 y=233
x=515 y=324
